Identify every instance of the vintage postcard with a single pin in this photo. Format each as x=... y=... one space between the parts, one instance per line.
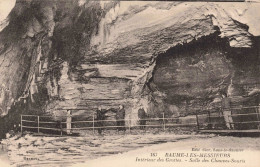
x=129 y=83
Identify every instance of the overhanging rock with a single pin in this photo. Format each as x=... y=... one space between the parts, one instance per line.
x=103 y=53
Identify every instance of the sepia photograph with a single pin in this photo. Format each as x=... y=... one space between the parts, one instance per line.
x=87 y=83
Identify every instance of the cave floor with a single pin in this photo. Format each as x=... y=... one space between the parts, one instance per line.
x=31 y=150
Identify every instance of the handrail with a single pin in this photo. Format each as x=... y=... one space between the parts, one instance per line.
x=28 y=121
x=46 y=116
x=223 y=123
x=147 y=119
x=199 y=113
x=245 y=107
x=217 y=109
x=244 y=122
x=245 y=114
x=205 y=115
x=136 y=125
x=166 y=122
x=30 y=127
x=50 y=128
x=48 y=122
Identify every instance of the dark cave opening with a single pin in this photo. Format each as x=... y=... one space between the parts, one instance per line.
x=192 y=75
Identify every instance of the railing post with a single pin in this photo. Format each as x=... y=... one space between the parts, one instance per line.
x=197 y=119
x=68 y=121
x=163 y=123
x=38 y=124
x=21 y=124
x=230 y=120
x=129 y=124
x=93 y=125
x=257 y=114
x=209 y=119
x=61 y=128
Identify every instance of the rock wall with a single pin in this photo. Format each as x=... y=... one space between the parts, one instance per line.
x=88 y=54
x=194 y=75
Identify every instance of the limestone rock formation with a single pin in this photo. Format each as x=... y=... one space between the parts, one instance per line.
x=172 y=57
